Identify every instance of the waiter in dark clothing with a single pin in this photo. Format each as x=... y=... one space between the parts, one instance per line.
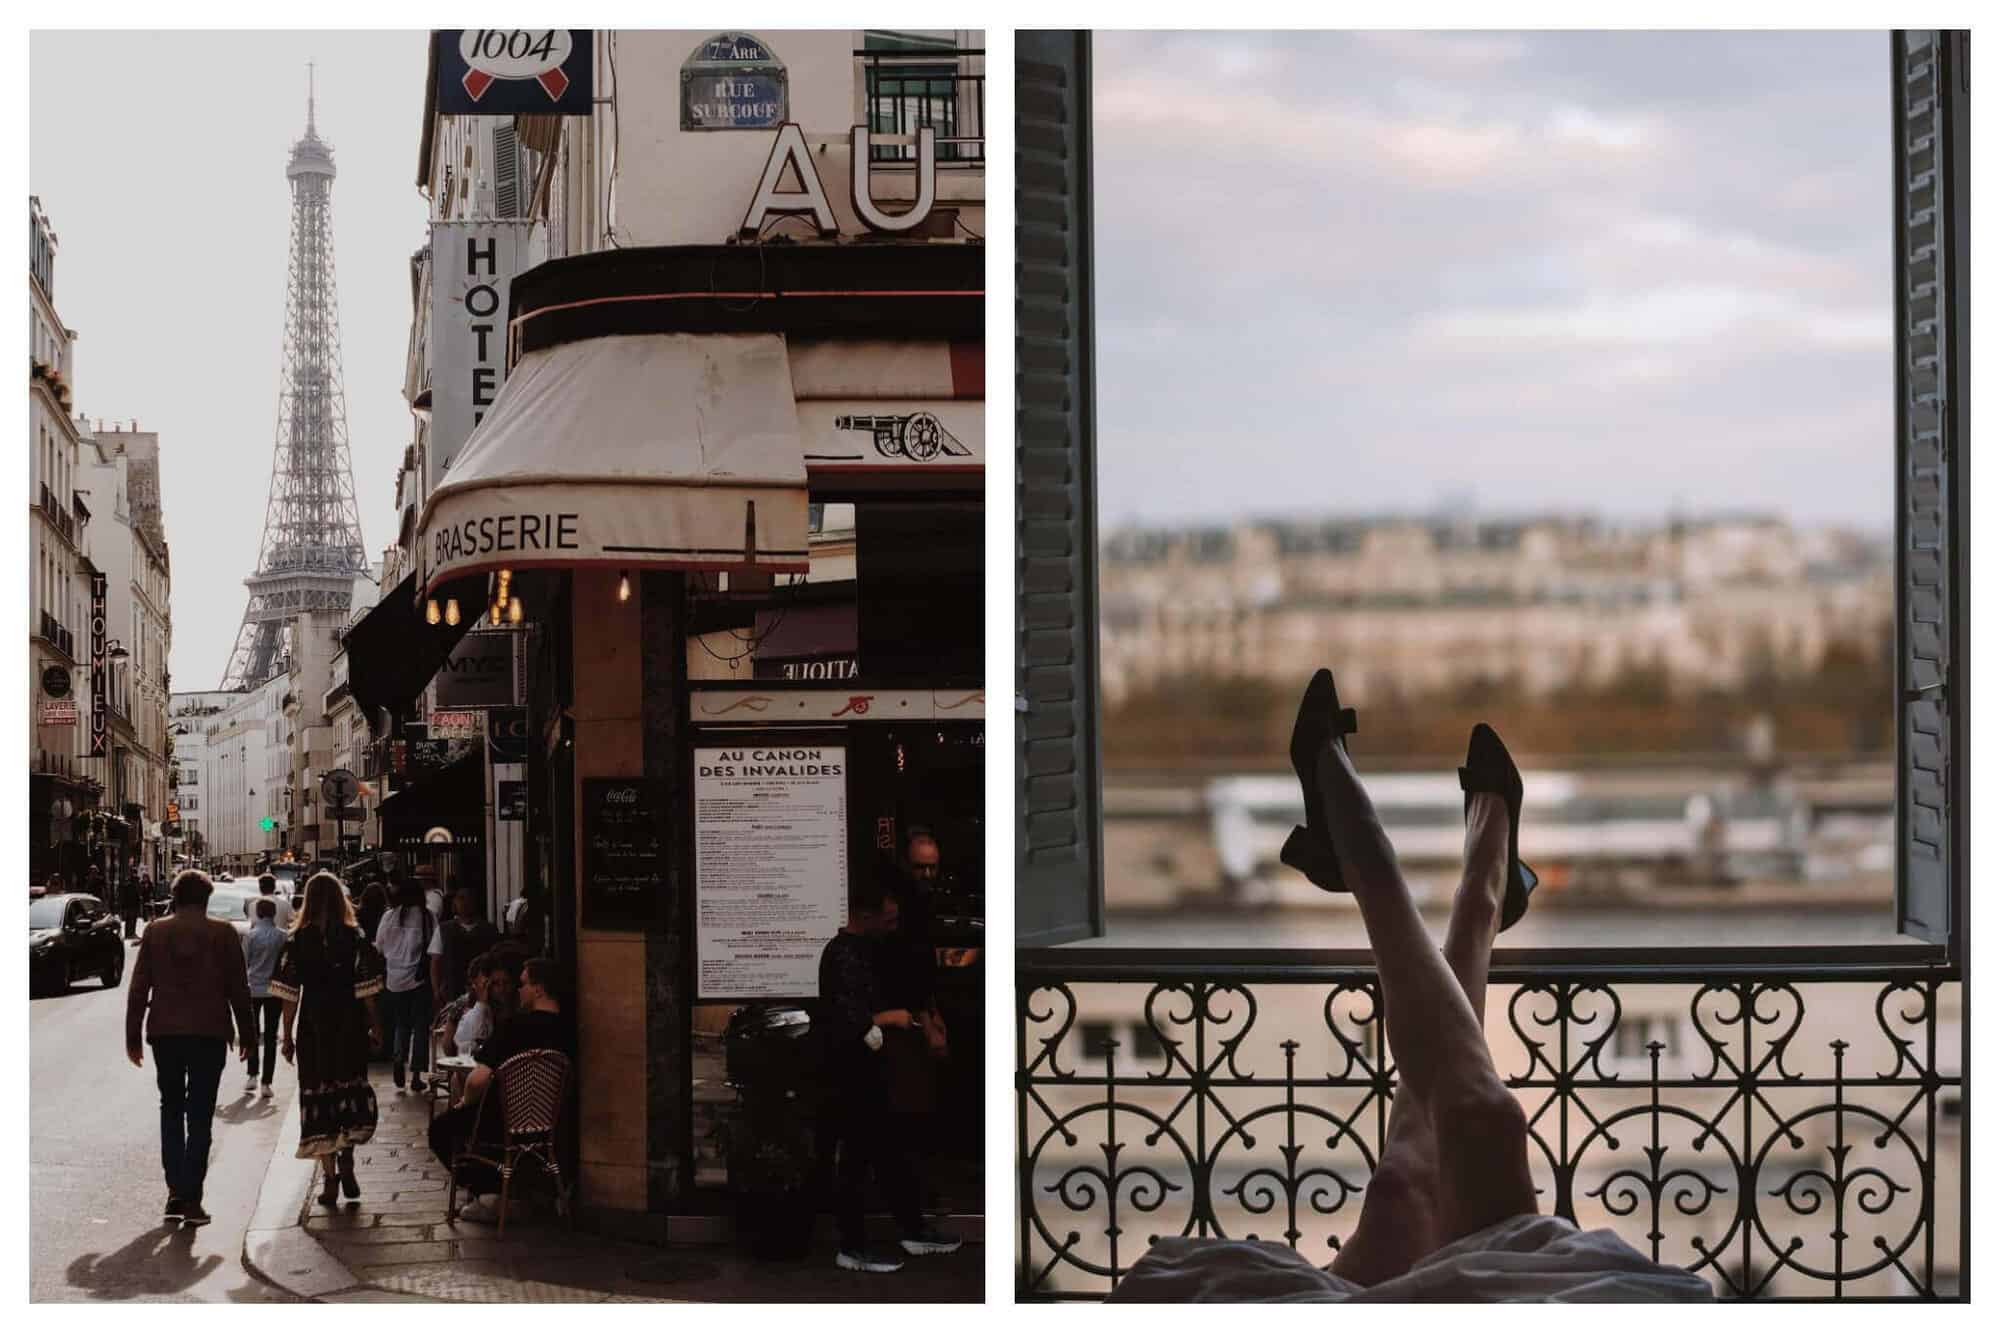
x=910 y=949
x=860 y=1020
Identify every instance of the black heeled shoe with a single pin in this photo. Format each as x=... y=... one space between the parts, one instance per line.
x=1489 y=768
x=1309 y=848
x=348 y=1184
x=329 y=1193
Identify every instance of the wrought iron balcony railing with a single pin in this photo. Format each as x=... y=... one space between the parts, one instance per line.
x=905 y=91
x=58 y=637
x=1783 y=1131
x=61 y=518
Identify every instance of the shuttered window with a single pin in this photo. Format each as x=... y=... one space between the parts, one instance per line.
x=1932 y=132
x=1059 y=891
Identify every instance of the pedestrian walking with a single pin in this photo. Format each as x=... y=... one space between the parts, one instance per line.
x=368 y=912
x=328 y=979
x=129 y=902
x=466 y=936
x=413 y=955
x=261 y=949
x=267 y=890
x=188 y=987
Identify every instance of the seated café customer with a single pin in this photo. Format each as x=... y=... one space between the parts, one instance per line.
x=538 y=1023
x=471 y=1018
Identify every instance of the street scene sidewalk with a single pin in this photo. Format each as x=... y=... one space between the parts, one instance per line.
x=395 y=1244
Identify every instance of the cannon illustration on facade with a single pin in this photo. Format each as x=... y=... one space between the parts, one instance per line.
x=918 y=436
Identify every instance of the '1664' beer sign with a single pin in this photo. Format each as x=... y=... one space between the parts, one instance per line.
x=513 y=71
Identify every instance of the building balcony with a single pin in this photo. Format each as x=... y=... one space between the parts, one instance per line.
x=58 y=637
x=1783 y=1130
x=60 y=518
x=905 y=91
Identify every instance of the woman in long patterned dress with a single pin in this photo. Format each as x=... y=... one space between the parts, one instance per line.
x=329 y=976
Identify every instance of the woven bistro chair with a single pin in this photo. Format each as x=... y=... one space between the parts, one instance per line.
x=530 y=1099
x=440 y=1089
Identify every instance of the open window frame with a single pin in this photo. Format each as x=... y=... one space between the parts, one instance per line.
x=1059 y=767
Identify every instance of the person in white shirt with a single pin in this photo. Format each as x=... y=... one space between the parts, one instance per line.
x=267 y=887
x=412 y=950
x=476 y=1024
x=434 y=897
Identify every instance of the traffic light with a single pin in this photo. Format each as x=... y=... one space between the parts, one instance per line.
x=267 y=823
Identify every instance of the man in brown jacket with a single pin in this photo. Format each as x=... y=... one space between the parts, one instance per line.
x=190 y=974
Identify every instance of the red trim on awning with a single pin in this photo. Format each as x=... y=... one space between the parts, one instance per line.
x=968 y=370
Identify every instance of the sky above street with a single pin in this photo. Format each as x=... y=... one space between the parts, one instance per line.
x=1604 y=272
x=160 y=160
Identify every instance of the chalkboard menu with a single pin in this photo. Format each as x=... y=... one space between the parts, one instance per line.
x=623 y=858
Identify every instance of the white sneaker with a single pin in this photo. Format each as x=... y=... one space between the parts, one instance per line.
x=266 y=1093
x=865 y=1261
x=249 y=1083
x=931 y=1241
x=480 y=1211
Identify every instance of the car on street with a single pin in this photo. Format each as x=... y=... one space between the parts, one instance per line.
x=232 y=903
x=70 y=936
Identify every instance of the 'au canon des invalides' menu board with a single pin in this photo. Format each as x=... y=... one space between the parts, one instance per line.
x=770 y=830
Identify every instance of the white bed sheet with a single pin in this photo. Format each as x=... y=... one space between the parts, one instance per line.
x=1530 y=1257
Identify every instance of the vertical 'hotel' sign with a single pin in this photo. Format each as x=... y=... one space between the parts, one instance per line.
x=98 y=710
x=472 y=267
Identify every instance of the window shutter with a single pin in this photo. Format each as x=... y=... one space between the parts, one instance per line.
x=1932 y=130
x=1059 y=893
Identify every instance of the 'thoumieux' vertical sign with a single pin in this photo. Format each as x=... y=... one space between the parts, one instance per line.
x=99 y=688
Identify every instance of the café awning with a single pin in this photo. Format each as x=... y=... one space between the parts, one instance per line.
x=392 y=652
x=652 y=450
x=441 y=809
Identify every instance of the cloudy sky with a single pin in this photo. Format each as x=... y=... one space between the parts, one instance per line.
x=1391 y=271
x=160 y=160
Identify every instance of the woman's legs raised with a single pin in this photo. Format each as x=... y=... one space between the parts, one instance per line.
x=1434 y=1032
x=1402 y=1213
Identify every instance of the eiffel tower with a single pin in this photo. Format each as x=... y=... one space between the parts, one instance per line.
x=311 y=550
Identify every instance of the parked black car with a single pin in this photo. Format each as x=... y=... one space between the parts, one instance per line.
x=71 y=935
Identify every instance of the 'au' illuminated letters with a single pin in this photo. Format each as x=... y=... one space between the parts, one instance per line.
x=810 y=198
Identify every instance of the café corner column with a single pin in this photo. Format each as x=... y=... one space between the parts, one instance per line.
x=610 y=964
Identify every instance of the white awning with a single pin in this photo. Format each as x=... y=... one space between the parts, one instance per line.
x=663 y=450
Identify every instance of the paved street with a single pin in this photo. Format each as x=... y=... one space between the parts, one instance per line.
x=396 y=1245
x=94 y=1167
x=94 y=1177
